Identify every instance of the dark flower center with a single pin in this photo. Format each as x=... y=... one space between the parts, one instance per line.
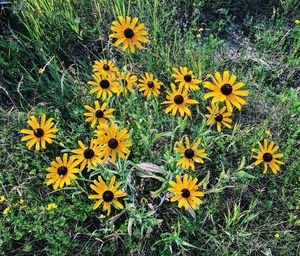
x=226 y=89
x=106 y=67
x=218 y=117
x=185 y=193
x=38 y=132
x=104 y=84
x=108 y=196
x=124 y=82
x=178 y=99
x=88 y=153
x=99 y=113
x=189 y=153
x=188 y=78
x=128 y=32
x=113 y=143
x=62 y=170
x=150 y=84
x=267 y=157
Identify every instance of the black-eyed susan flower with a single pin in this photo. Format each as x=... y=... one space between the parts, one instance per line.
x=189 y=153
x=149 y=85
x=105 y=66
x=178 y=100
x=99 y=114
x=127 y=80
x=186 y=192
x=267 y=154
x=225 y=89
x=128 y=33
x=104 y=85
x=88 y=156
x=218 y=116
x=40 y=134
x=107 y=194
x=186 y=78
x=113 y=141
x=62 y=171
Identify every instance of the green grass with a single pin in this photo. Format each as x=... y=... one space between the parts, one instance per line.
x=243 y=209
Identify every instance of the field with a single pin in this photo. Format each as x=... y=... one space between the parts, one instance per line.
x=47 y=52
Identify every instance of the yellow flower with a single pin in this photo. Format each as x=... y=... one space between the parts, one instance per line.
x=62 y=171
x=178 y=101
x=40 y=134
x=88 y=155
x=107 y=194
x=189 y=153
x=200 y=30
x=268 y=132
x=128 y=33
x=266 y=154
x=219 y=117
x=277 y=235
x=41 y=71
x=100 y=114
x=150 y=85
x=297 y=22
x=104 y=85
x=186 y=192
x=186 y=78
x=2 y=199
x=113 y=141
x=105 y=66
x=51 y=206
x=127 y=80
x=6 y=210
x=225 y=89
x=21 y=201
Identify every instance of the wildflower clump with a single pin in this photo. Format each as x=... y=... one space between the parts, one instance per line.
x=108 y=153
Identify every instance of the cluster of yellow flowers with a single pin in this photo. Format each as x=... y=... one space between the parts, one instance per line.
x=51 y=206
x=20 y=202
x=111 y=141
x=7 y=207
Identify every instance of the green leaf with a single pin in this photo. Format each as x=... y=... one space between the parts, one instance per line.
x=242 y=164
x=151 y=167
x=244 y=175
x=203 y=183
x=162 y=134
